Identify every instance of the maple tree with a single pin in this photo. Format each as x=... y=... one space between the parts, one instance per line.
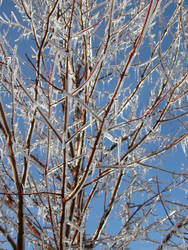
x=93 y=98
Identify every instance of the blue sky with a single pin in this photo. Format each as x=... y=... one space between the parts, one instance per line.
x=171 y=161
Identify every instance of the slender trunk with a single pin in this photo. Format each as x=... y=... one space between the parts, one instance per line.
x=20 y=239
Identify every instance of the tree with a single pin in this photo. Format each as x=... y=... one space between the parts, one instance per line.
x=93 y=101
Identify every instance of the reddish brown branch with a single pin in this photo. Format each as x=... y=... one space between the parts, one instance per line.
x=65 y=116
x=109 y=207
x=172 y=232
x=9 y=238
x=160 y=196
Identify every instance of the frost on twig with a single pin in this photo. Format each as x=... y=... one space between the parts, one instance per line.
x=93 y=108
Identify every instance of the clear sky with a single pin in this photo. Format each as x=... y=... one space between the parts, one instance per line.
x=171 y=161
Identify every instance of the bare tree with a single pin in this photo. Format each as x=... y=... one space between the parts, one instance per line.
x=93 y=100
